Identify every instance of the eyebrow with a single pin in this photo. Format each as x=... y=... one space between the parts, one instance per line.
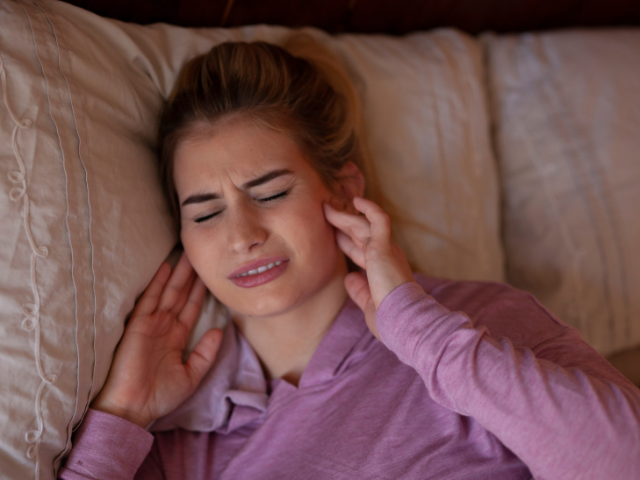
x=267 y=177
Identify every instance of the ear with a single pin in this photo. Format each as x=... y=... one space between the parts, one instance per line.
x=350 y=184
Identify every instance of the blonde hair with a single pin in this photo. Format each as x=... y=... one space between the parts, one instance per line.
x=300 y=89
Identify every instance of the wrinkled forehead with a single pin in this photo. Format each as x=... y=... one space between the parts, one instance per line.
x=234 y=153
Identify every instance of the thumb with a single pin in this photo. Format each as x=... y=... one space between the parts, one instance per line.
x=203 y=355
x=358 y=289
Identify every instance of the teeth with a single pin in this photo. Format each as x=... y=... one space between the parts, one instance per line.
x=260 y=269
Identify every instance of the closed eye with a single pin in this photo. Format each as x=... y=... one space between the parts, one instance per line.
x=263 y=200
x=206 y=217
x=274 y=197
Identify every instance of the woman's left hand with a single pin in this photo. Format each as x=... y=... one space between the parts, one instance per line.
x=366 y=239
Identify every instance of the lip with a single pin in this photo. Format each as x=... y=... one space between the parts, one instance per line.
x=267 y=276
x=250 y=281
x=257 y=264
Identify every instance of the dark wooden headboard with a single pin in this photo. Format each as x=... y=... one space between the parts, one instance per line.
x=376 y=16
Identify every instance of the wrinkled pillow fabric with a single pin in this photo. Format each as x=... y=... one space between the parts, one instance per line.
x=84 y=222
x=567 y=115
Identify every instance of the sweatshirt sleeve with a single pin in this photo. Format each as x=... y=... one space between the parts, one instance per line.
x=558 y=405
x=110 y=448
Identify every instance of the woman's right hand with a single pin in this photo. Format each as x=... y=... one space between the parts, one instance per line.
x=148 y=378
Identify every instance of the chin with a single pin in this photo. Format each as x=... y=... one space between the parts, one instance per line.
x=264 y=307
x=276 y=300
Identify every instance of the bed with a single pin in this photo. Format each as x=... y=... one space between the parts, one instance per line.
x=505 y=138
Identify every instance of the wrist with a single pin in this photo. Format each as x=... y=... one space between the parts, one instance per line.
x=122 y=412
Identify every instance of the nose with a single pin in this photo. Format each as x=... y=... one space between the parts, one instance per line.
x=245 y=229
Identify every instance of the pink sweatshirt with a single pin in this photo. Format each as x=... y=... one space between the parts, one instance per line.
x=473 y=380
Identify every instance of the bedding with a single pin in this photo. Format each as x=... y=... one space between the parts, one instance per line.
x=566 y=106
x=85 y=225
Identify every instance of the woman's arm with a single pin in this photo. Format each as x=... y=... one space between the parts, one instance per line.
x=556 y=405
x=109 y=447
x=147 y=379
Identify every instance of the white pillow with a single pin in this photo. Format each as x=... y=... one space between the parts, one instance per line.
x=428 y=127
x=92 y=89
x=567 y=109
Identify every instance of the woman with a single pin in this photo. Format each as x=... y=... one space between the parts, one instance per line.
x=327 y=371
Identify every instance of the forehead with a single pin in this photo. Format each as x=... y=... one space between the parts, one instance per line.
x=236 y=152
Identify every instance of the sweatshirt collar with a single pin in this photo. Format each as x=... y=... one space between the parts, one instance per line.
x=343 y=344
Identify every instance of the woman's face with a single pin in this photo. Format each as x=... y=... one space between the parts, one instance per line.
x=252 y=222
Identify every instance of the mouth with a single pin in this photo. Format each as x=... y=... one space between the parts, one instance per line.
x=258 y=270
x=259 y=273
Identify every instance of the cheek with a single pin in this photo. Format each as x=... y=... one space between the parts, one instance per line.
x=312 y=231
x=202 y=253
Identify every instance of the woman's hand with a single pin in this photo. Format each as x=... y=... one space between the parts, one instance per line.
x=147 y=378
x=367 y=241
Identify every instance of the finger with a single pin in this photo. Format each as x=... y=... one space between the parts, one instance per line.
x=203 y=356
x=184 y=294
x=378 y=218
x=356 y=226
x=180 y=275
x=192 y=308
x=358 y=289
x=330 y=212
x=343 y=219
x=149 y=299
x=354 y=252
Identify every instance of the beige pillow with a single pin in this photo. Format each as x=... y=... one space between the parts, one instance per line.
x=84 y=224
x=92 y=89
x=567 y=110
